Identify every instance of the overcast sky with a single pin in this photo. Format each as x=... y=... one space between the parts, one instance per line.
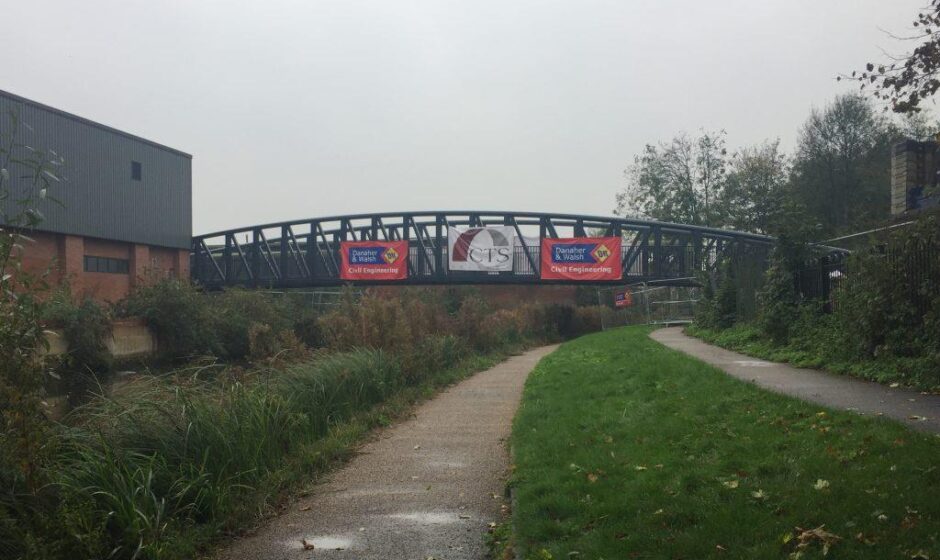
x=297 y=109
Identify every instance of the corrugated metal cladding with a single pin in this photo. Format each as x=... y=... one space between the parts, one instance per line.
x=99 y=197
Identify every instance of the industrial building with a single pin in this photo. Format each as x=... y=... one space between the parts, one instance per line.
x=123 y=210
x=915 y=177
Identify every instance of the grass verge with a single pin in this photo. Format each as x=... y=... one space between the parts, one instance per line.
x=169 y=469
x=627 y=449
x=816 y=348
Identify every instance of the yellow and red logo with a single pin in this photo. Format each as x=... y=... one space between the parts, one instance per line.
x=390 y=255
x=601 y=253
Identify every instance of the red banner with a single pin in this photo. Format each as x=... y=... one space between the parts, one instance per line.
x=623 y=299
x=373 y=260
x=581 y=258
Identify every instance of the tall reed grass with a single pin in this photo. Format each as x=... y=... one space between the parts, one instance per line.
x=167 y=464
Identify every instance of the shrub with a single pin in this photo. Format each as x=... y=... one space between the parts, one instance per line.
x=234 y=313
x=178 y=315
x=472 y=325
x=587 y=319
x=86 y=326
x=308 y=329
x=777 y=303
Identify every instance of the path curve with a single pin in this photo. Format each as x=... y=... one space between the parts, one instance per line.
x=425 y=488
x=916 y=410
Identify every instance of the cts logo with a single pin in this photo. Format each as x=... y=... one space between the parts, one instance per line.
x=483 y=249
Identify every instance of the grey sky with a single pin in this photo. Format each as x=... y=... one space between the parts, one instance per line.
x=297 y=109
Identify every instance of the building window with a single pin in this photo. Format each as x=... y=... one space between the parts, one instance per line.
x=137 y=171
x=106 y=264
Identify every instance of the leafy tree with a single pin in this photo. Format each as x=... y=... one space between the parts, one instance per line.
x=841 y=169
x=678 y=181
x=755 y=186
x=906 y=81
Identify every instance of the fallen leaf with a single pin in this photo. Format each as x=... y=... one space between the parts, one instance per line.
x=894 y=385
x=759 y=494
x=305 y=508
x=731 y=484
x=639 y=468
x=807 y=537
x=592 y=477
x=417 y=447
x=307 y=544
x=821 y=484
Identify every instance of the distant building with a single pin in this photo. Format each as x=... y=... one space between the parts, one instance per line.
x=915 y=177
x=126 y=203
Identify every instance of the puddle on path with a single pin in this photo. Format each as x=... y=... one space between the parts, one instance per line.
x=427 y=517
x=323 y=543
x=752 y=363
x=446 y=464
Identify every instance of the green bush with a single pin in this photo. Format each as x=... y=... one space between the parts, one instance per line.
x=777 y=303
x=881 y=322
x=587 y=319
x=227 y=325
x=179 y=316
x=717 y=308
x=307 y=328
x=234 y=313
x=86 y=326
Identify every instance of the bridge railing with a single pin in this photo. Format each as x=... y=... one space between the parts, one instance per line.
x=306 y=252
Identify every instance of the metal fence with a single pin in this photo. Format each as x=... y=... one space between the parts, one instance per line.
x=912 y=268
x=651 y=305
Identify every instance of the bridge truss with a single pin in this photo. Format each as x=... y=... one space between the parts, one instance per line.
x=305 y=253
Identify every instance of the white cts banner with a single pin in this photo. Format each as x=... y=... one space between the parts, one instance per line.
x=487 y=249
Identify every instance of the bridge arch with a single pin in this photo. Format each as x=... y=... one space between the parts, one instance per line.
x=305 y=253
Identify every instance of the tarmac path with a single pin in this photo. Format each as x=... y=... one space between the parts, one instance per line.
x=425 y=488
x=917 y=410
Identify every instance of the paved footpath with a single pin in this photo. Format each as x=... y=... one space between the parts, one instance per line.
x=919 y=411
x=425 y=488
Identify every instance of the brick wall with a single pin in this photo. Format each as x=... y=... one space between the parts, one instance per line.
x=62 y=257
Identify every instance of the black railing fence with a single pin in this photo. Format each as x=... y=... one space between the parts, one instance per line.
x=909 y=270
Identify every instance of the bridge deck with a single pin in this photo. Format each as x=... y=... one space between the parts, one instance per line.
x=305 y=253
